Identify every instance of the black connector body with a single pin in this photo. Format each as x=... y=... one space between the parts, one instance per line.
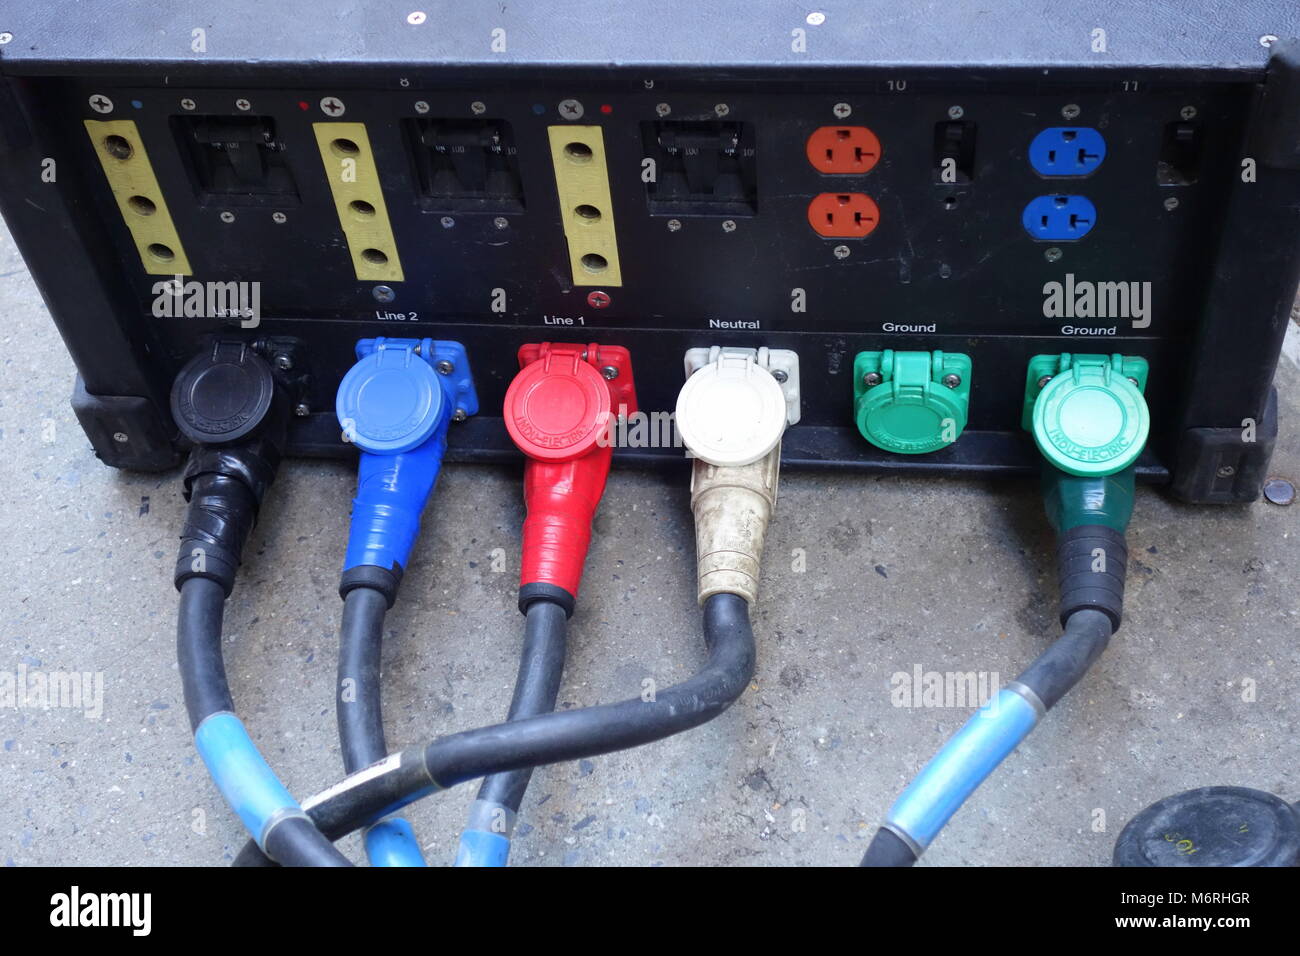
x=226 y=480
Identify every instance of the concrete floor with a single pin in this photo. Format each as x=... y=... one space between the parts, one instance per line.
x=949 y=575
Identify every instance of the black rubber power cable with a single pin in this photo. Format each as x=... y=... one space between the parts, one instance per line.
x=545 y=739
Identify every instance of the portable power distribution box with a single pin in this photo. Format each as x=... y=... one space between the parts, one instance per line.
x=853 y=181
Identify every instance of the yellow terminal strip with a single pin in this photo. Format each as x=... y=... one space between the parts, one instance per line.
x=582 y=180
x=354 y=181
x=139 y=197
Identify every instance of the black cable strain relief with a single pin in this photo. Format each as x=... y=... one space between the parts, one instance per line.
x=383 y=580
x=217 y=523
x=1091 y=563
x=888 y=849
x=253 y=463
x=528 y=593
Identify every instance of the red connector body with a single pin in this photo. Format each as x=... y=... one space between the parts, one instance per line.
x=559 y=410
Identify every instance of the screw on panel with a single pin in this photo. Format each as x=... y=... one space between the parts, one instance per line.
x=6 y=37
x=663 y=109
x=1268 y=39
x=445 y=367
x=421 y=106
x=610 y=372
x=478 y=107
x=302 y=409
x=1071 y=110
x=283 y=362
x=459 y=415
x=841 y=252
x=227 y=216
x=501 y=222
x=447 y=222
x=332 y=106
x=120 y=438
x=780 y=375
x=101 y=103
x=1135 y=381
x=1187 y=112
x=951 y=380
x=1280 y=491
x=278 y=217
x=842 y=110
x=722 y=109
x=383 y=293
x=598 y=300
x=1171 y=203
x=1042 y=382
x=872 y=378
x=1226 y=471
x=728 y=225
x=243 y=104
x=816 y=19
x=187 y=104
x=956 y=112
x=674 y=225
x=415 y=17
x=1053 y=254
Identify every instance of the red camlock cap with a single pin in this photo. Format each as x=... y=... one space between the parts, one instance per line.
x=558 y=411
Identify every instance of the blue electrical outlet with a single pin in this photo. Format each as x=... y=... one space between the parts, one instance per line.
x=1061 y=151
x=1059 y=218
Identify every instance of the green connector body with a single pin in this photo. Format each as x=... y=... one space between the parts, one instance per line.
x=911 y=403
x=1090 y=421
x=1074 y=500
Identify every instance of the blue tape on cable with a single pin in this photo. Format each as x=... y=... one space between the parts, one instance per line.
x=240 y=772
x=481 y=848
x=965 y=761
x=392 y=842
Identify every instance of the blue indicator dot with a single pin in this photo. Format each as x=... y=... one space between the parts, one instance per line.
x=137 y=104
x=539 y=109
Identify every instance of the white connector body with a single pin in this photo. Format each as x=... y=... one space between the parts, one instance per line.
x=731 y=414
x=732 y=505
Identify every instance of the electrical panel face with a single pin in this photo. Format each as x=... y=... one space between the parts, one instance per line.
x=996 y=212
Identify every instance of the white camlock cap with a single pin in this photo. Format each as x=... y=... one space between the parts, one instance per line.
x=731 y=411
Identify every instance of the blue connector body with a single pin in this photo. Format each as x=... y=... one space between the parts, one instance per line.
x=392 y=491
x=395 y=405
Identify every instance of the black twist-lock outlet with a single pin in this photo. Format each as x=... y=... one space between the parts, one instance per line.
x=228 y=402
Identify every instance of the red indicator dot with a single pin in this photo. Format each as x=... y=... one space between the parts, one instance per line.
x=606 y=109
x=304 y=105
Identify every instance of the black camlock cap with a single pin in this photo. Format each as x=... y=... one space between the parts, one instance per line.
x=1212 y=826
x=222 y=394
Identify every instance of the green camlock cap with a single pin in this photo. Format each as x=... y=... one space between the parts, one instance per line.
x=911 y=403
x=1089 y=419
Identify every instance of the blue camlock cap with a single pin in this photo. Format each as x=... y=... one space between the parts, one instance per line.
x=390 y=401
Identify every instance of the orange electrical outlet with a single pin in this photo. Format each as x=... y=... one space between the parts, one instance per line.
x=843 y=215
x=843 y=150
